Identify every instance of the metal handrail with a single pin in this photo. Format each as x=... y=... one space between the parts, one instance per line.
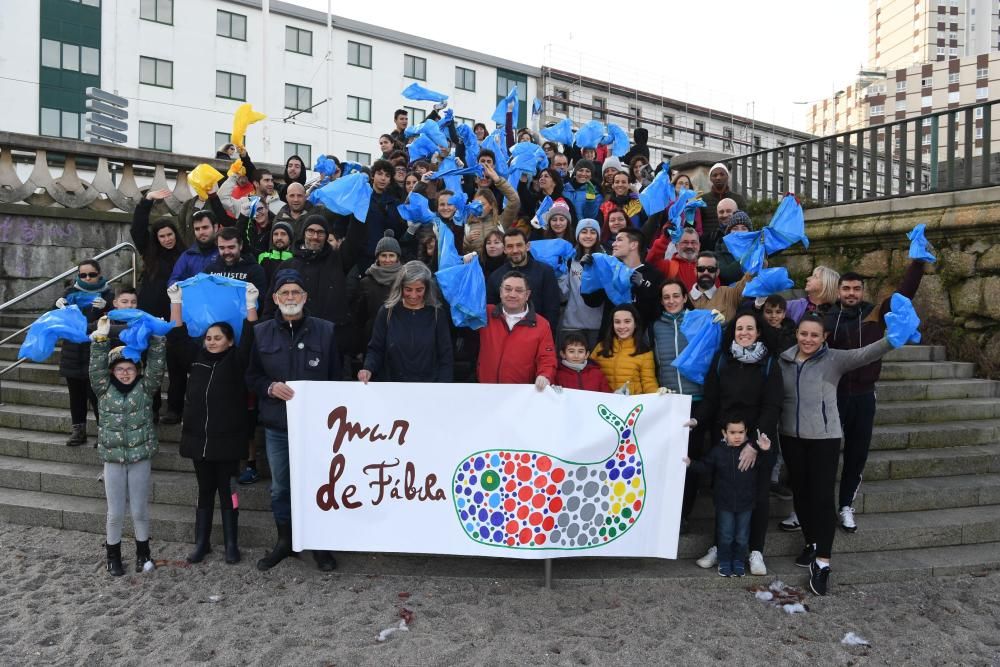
x=56 y=280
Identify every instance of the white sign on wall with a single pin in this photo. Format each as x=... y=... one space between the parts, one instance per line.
x=485 y=470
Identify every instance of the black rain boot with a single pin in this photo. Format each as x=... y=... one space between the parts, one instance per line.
x=282 y=548
x=115 y=567
x=142 y=556
x=202 y=534
x=230 y=532
x=325 y=561
x=78 y=436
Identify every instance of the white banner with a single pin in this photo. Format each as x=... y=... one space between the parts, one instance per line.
x=485 y=470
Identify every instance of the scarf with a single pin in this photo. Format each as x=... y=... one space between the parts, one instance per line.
x=576 y=367
x=91 y=288
x=748 y=355
x=125 y=388
x=384 y=275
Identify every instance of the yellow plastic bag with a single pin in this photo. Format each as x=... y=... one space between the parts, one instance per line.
x=202 y=178
x=237 y=169
x=243 y=118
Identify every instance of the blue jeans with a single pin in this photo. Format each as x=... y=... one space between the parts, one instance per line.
x=732 y=534
x=277 y=459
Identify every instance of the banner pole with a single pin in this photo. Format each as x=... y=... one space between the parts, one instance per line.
x=548 y=574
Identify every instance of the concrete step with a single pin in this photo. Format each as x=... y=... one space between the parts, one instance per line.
x=908 y=495
x=940 y=462
x=916 y=390
x=52 y=447
x=44 y=395
x=918 y=353
x=57 y=421
x=9 y=352
x=927 y=370
x=37 y=373
x=943 y=434
x=963 y=411
x=78 y=479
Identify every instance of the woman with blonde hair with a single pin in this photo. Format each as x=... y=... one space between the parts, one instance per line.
x=821 y=293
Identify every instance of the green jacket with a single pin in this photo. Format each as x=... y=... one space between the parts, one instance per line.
x=126 y=433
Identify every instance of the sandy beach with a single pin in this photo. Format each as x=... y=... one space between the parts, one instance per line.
x=60 y=607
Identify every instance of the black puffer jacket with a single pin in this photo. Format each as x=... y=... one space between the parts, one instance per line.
x=215 y=405
x=74 y=359
x=750 y=391
x=732 y=490
x=153 y=289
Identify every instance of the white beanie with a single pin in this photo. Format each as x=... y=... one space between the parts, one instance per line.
x=612 y=163
x=719 y=165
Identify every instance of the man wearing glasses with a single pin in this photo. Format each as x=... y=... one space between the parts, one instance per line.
x=706 y=295
x=291 y=346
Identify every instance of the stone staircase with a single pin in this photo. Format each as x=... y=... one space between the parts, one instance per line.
x=931 y=493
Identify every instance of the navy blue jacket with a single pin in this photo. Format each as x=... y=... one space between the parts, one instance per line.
x=382 y=215
x=411 y=345
x=732 y=490
x=545 y=295
x=282 y=353
x=191 y=262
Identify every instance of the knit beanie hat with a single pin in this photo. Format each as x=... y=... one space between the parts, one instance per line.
x=586 y=164
x=117 y=356
x=281 y=224
x=612 y=163
x=740 y=218
x=388 y=243
x=719 y=165
x=559 y=207
x=587 y=223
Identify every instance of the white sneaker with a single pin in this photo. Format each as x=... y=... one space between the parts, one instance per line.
x=847 y=521
x=757 y=567
x=709 y=559
x=791 y=524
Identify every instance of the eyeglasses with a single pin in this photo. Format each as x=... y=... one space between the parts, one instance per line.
x=707 y=269
x=294 y=294
x=89 y=274
x=124 y=370
x=516 y=290
x=315 y=232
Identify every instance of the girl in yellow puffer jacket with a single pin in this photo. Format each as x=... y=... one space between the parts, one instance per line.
x=625 y=356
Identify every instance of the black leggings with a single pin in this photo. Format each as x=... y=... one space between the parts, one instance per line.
x=812 y=471
x=696 y=449
x=762 y=504
x=213 y=477
x=79 y=394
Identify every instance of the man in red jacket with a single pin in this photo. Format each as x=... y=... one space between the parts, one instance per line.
x=515 y=346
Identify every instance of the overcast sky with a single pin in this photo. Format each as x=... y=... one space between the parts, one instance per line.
x=745 y=57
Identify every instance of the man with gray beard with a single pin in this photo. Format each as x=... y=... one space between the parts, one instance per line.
x=676 y=261
x=291 y=346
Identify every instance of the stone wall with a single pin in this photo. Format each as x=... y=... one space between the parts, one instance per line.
x=959 y=297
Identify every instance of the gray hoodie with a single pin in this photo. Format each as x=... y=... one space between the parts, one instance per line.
x=810 y=406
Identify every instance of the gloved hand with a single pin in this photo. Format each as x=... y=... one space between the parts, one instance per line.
x=717 y=317
x=663 y=391
x=412 y=227
x=671 y=251
x=252 y=294
x=459 y=163
x=174 y=293
x=440 y=105
x=623 y=390
x=469 y=257
x=535 y=222
x=102 y=330
x=98 y=304
x=61 y=303
x=587 y=259
x=556 y=388
x=691 y=423
x=541 y=382
x=638 y=281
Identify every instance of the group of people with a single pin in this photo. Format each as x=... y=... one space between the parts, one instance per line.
x=330 y=297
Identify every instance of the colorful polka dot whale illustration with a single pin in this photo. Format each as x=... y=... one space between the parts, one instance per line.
x=531 y=500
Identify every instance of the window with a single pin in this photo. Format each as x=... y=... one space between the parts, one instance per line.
x=465 y=79
x=230 y=86
x=159 y=11
x=414 y=67
x=953 y=77
x=364 y=159
x=231 y=25
x=599 y=113
x=304 y=151
x=757 y=142
x=925 y=101
x=900 y=86
x=926 y=122
x=90 y=61
x=156 y=72
x=634 y=117
x=71 y=57
x=298 y=40
x=417 y=116
x=699 y=132
x=982 y=93
x=978 y=112
x=953 y=51
x=560 y=107
x=926 y=82
x=155 y=136
x=979 y=133
x=953 y=35
x=298 y=98
x=51 y=54
x=953 y=97
x=900 y=105
x=940 y=50
x=668 y=125
x=462 y=120
x=982 y=72
x=876 y=110
x=727 y=139
x=359 y=108
x=359 y=55
x=56 y=123
x=222 y=138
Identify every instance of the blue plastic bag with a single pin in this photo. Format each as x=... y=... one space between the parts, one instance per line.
x=326 y=167
x=747 y=248
x=617 y=139
x=81 y=299
x=447 y=254
x=703 y=338
x=768 y=282
x=659 y=193
x=536 y=107
x=787 y=226
x=67 y=324
x=561 y=132
x=465 y=209
x=526 y=158
x=208 y=299
x=500 y=114
x=496 y=143
x=451 y=174
x=543 y=208
x=471 y=142
x=589 y=135
x=902 y=325
x=416 y=209
x=348 y=195
x=918 y=245
x=421 y=148
x=429 y=129
x=350 y=168
x=554 y=252
x=685 y=199
x=140 y=325
x=610 y=274
x=415 y=91
x=463 y=286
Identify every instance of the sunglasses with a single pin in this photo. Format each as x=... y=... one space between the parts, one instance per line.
x=89 y=274
x=707 y=269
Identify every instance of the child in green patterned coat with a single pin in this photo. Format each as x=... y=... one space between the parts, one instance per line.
x=126 y=438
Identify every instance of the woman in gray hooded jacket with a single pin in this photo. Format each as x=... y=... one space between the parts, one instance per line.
x=810 y=435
